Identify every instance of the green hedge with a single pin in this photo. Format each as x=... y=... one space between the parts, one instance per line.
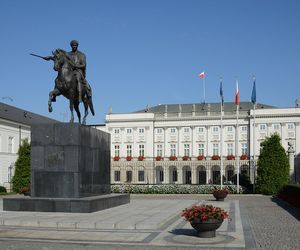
x=170 y=189
x=2 y=189
x=291 y=194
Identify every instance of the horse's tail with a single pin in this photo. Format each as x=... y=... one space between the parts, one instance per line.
x=90 y=102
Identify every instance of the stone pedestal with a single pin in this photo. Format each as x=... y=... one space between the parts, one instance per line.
x=70 y=166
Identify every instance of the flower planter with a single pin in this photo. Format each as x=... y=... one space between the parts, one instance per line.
x=206 y=229
x=220 y=195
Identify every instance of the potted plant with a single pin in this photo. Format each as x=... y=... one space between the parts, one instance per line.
x=201 y=157
x=25 y=191
x=172 y=158
x=215 y=157
x=128 y=158
x=230 y=157
x=244 y=157
x=116 y=158
x=220 y=193
x=185 y=158
x=158 y=158
x=140 y=158
x=206 y=219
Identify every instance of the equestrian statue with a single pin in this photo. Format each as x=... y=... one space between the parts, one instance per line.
x=70 y=81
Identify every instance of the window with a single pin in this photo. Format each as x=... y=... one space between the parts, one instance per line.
x=10 y=144
x=215 y=129
x=215 y=148
x=173 y=149
x=201 y=130
x=186 y=130
x=186 y=148
x=229 y=148
x=262 y=126
x=276 y=126
x=117 y=150
x=129 y=176
x=141 y=175
x=244 y=149
x=141 y=130
x=161 y=175
x=129 y=130
x=159 y=149
x=117 y=175
x=244 y=128
x=159 y=130
x=117 y=131
x=173 y=130
x=174 y=175
x=201 y=149
x=129 y=150
x=290 y=125
x=142 y=150
x=229 y=129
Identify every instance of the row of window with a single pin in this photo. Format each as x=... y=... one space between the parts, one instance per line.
x=214 y=129
x=174 y=176
x=186 y=149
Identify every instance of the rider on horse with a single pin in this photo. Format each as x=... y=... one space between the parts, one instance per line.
x=79 y=60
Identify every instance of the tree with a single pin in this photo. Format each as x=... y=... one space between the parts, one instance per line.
x=273 y=166
x=21 y=178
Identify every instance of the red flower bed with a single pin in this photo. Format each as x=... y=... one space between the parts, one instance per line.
x=230 y=157
x=158 y=158
x=116 y=158
x=140 y=158
x=244 y=157
x=295 y=201
x=204 y=213
x=128 y=158
x=201 y=158
x=172 y=158
x=215 y=157
x=185 y=158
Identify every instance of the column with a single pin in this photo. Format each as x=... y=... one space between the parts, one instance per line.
x=166 y=175
x=180 y=174
x=297 y=138
x=194 y=174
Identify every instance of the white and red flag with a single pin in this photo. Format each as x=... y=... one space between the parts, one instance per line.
x=202 y=75
x=237 y=94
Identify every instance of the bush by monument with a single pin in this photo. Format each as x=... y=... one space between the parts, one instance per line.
x=273 y=166
x=2 y=189
x=21 y=178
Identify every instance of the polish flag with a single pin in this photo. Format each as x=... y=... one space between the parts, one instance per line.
x=237 y=94
x=201 y=75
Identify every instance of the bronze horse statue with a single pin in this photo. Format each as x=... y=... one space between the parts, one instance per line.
x=66 y=85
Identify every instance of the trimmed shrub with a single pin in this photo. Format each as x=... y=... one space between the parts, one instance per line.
x=170 y=189
x=273 y=166
x=291 y=194
x=2 y=189
x=21 y=178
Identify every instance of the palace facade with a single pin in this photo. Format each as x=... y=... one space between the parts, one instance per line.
x=181 y=143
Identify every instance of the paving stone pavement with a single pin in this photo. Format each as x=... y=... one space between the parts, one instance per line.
x=153 y=222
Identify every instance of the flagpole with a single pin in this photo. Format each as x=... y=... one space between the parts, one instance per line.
x=253 y=100
x=204 y=89
x=237 y=141
x=221 y=151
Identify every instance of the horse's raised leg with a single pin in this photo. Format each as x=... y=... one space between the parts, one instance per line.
x=86 y=110
x=71 y=109
x=52 y=95
x=76 y=106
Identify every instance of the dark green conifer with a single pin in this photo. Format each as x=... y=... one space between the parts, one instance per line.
x=21 y=178
x=273 y=166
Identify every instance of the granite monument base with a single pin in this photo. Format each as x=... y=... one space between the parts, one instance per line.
x=69 y=205
x=70 y=171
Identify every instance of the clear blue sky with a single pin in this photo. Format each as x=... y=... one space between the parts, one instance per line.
x=149 y=52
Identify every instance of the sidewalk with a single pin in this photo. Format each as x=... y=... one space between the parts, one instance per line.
x=153 y=222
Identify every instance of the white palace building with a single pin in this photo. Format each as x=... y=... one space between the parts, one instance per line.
x=181 y=143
